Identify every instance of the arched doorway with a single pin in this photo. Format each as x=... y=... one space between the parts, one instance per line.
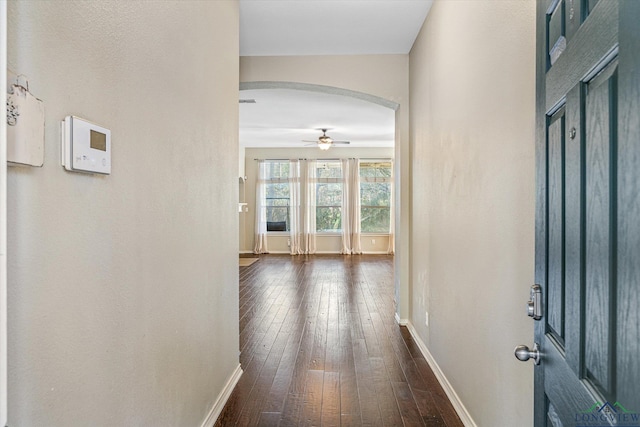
x=401 y=234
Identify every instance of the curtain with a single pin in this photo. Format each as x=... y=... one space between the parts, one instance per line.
x=302 y=193
x=351 y=207
x=308 y=185
x=392 y=214
x=354 y=205
x=261 y=211
x=296 y=209
x=346 y=224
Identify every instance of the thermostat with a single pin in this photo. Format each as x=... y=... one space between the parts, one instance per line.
x=85 y=147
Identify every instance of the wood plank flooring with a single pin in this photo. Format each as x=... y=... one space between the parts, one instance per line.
x=320 y=347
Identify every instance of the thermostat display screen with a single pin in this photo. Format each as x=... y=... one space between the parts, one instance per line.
x=86 y=147
x=98 y=141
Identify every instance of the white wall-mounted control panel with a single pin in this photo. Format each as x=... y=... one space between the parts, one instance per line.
x=85 y=147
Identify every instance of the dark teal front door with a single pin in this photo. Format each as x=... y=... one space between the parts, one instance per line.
x=588 y=213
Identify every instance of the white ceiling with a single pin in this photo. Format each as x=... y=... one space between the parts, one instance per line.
x=329 y=27
x=285 y=117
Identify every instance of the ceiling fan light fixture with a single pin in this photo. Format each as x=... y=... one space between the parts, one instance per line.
x=324 y=145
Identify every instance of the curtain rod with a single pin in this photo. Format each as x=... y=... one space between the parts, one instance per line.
x=359 y=158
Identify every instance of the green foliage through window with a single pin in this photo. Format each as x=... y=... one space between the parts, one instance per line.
x=375 y=196
x=329 y=197
x=277 y=195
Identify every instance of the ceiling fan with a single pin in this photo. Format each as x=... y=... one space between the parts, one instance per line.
x=325 y=142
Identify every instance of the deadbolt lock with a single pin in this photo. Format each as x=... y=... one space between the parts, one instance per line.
x=534 y=305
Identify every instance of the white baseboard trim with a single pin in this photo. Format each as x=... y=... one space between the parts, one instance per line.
x=464 y=415
x=401 y=322
x=246 y=252
x=324 y=253
x=222 y=398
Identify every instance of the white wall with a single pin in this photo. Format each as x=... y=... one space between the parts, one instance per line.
x=325 y=243
x=384 y=76
x=242 y=198
x=123 y=303
x=472 y=78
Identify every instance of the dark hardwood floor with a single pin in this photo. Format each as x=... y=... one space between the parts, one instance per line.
x=320 y=347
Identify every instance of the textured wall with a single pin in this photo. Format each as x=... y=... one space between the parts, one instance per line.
x=472 y=78
x=123 y=297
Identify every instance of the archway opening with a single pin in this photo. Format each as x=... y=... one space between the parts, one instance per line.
x=283 y=130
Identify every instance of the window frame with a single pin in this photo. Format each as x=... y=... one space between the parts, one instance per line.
x=329 y=180
x=373 y=180
x=272 y=181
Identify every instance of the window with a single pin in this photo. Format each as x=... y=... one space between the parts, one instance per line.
x=375 y=190
x=375 y=196
x=277 y=195
x=329 y=196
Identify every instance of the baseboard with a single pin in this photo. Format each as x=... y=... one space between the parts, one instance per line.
x=464 y=415
x=401 y=322
x=320 y=253
x=218 y=405
x=336 y=253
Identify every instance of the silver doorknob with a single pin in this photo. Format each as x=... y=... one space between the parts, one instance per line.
x=523 y=353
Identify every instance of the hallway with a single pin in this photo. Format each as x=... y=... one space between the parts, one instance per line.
x=320 y=346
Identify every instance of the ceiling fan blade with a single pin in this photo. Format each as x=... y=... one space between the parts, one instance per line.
x=306 y=140
x=342 y=142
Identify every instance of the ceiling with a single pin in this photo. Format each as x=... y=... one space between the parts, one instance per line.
x=329 y=27
x=285 y=117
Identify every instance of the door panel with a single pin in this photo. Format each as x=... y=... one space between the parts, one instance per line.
x=573 y=228
x=574 y=10
x=556 y=32
x=555 y=283
x=592 y=43
x=588 y=212
x=590 y=5
x=598 y=333
x=577 y=339
x=565 y=395
x=628 y=294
